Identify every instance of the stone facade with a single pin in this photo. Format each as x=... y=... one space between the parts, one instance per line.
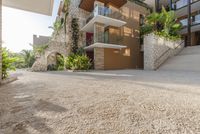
x=157 y=50
x=40 y=40
x=41 y=62
x=99 y=58
x=60 y=42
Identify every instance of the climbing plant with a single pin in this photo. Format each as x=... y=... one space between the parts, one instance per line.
x=75 y=35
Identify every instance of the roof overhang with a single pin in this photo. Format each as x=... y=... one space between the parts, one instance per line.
x=88 y=5
x=104 y=45
x=44 y=7
x=107 y=21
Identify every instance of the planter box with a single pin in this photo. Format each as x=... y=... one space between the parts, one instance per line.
x=157 y=50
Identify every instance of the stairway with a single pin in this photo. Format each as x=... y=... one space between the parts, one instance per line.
x=187 y=60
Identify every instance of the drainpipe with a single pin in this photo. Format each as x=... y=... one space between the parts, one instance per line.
x=189 y=24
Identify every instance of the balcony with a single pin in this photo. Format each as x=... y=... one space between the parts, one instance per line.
x=195 y=24
x=181 y=7
x=103 y=15
x=88 y=5
x=103 y=40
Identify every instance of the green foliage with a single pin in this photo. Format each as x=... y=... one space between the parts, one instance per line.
x=75 y=35
x=66 y=5
x=28 y=57
x=40 y=49
x=7 y=63
x=60 y=62
x=58 y=25
x=163 y=24
x=78 y=62
x=19 y=63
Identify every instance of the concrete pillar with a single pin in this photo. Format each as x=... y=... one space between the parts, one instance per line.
x=0 y=40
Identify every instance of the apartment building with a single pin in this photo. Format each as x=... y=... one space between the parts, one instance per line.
x=111 y=30
x=181 y=9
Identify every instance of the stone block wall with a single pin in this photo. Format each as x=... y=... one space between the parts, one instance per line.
x=157 y=50
x=99 y=58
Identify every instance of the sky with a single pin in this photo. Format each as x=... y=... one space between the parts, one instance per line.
x=18 y=27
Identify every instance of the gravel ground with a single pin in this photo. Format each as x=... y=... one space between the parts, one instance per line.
x=111 y=102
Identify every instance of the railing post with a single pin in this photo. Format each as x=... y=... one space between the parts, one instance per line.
x=189 y=24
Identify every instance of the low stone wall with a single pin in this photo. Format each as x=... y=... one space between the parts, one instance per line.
x=157 y=50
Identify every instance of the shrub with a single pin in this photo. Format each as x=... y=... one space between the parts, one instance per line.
x=7 y=63
x=78 y=62
x=60 y=62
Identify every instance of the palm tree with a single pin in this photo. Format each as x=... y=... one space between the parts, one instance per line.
x=29 y=57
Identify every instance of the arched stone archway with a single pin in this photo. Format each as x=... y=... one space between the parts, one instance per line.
x=42 y=62
x=55 y=61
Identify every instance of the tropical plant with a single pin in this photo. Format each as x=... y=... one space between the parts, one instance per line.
x=163 y=24
x=40 y=49
x=60 y=62
x=7 y=63
x=58 y=25
x=78 y=62
x=29 y=57
x=75 y=35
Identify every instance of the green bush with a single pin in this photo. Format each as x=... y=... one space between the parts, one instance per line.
x=60 y=62
x=78 y=62
x=7 y=63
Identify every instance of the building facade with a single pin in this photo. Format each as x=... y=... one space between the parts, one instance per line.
x=181 y=10
x=112 y=33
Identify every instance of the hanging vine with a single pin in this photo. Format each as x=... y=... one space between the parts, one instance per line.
x=75 y=35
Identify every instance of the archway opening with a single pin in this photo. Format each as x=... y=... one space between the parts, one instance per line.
x=55 y=61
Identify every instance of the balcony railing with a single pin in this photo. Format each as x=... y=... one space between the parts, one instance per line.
x=104 y=11
x=194 y=19
x=104 y=38
x=181 y=3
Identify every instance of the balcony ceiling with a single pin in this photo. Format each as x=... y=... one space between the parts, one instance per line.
x=44 y=7
x=88 y=5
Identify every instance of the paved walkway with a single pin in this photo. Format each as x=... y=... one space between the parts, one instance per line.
x=111 y=102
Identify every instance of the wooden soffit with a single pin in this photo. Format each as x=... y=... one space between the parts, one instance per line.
x=88 y=5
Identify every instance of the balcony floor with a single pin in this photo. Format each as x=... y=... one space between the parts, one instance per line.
x=89 y=27
x=103 y=45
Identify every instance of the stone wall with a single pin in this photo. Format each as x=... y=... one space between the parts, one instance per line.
x=41 y=62
x=40 y=40
x=99 y=58
x=157 y=50
x=61 y=42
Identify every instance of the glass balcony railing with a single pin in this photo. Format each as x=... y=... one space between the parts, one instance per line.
x=181 y=3
x=194 y=20
x=104 y=38
x=104 y=11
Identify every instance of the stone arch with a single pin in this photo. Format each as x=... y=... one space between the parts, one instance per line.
x=52 y=60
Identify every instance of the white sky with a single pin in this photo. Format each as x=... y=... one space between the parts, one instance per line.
x=18 y=27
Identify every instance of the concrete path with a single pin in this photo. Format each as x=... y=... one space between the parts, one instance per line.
x=107 y=102
x=187 y=60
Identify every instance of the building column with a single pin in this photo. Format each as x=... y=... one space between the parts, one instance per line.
x=189 y=24
x=0 y=40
